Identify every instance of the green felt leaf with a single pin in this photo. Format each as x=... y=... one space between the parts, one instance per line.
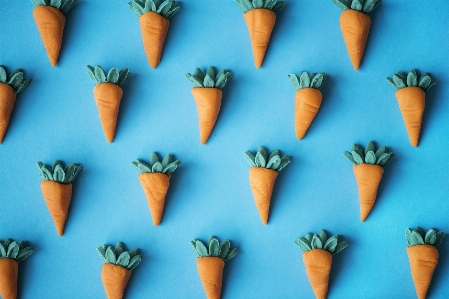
x=137 y=8
x=424 y=82
x=309 y=237
x=304 y=244
x=285 y=160
x=91 y=72
x=369 y=147
x=3 y=75
x=250 y=158
x=245 y=5
x=167 y=160
x=200 y=248
x=56 y=3
x=153 y=159
x=71 y=172
x=412 y=78
x=440 y=237
x=22 y=86
x=416 y=238
x=102 y=252
x=340 y=246
x=13 y=250
x=211 y=73
x=2 y=250
x=113 y=76
x=99 y=74
x=231 y=254
x=58 y=174
x=165 y=7
x=24 y=253
x=323 y=236
x=274 y=162
x=67 y=6
x=208 y=81
x=149 y=5
x=110 y=255
x=46 y=172
x=380 y=152
x=350 y=157
x=357 y=157
x=133 y=252
x=408 y=237
x=157 y=167
x=134 y=262
x=278 y=6
x=123 y=259
x=316 y=242
x=295 y=81
x=123 y=76
x=370 y=158
x=193 y=244
x=391 y=81
x=56 y=163
x=7 y=243
x=274 y=153
x=214 y=247
x=304 y=80
x=358 y=150
x=430 y=237
x=384 y=159
x=260 y=160
x=171 y=167
x=356 y=5
x=199 y=73
x=318 y=80
x=222 y=80
x=224 y=248
x=196 y=81
x=331 y=244
x=16 y=79
x=342 y=4
x=257 y=3
x=399 y=82
x=119 y=249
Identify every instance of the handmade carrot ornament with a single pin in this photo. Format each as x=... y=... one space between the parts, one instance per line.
x=153 y=17
x=207 y=94
x=210 y=262
x=368 y=171
x=411 y=96
x=108 y=94
x=117 y=268
x=57 y=190
x=50 y=21
x=260 y=17
x=355 y=24
x=423 y=256
x=262 y=176
x=155 y=178
x=10 y=87
x=307 y=99
x=317 y=257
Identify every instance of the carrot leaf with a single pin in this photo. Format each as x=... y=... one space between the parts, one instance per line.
x=250 y=158
x=224 y=248
x=412 y=78
x=59 y=174
x=214 y=249
x=199 y=73
x=273 y=5
x=340 y=246
x=356 y=5
x=24 y=253
x=119 y=256
x=320 y=241
x=304 y=244
x=134 y=262
x=274 y=160
x=369 y=155
x=331 y=244
x=209 y=80
x=123 y=259
x=343 y=4
x=98 y=75
x=166 y=9
x=155 y=166
x=14 y=250
x=16 y=80
x=399 y=80
x=113 y=75
x=370 y=158
x=304 y=80
x=358 y=159
x=316 y=242
x=419 y=237
x=67 y=5
x=232 y=253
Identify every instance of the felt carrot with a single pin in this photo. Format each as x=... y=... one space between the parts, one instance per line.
x=50 y=21
x=155 y=178
x=108 y=94
x=355 y=24
x=10 y=87
x=368 y=171
x=423 y=256
x=56 y=188
x=260 y=17
x=210 y=263
x=262 y=176
x=117 y=268
x=410 y=93
x=153 y=18
x=207 y=94
x=307 y=99
x=11 y=253
x=317 y=257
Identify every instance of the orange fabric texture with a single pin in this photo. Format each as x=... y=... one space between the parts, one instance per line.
x=115 y=278
x=155 y=186
x=50 y=22
x=355 y=27
x=208 y=103
x=9 y=269
x=318 y=264
x=307 y=104
x=260 y=23
x=154 y=28
x=210 y=270
x=7 y=100
x=423 y=261
x=412 y=101
x=262 y=183
x=57 y=196
x=368 y=177
x=108 y=97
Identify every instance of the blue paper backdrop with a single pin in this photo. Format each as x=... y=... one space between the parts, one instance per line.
x=56 y=118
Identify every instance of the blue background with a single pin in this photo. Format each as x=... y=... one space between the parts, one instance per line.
x=56 y=118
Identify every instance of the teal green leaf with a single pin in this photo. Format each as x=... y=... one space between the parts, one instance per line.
x=197 y=82
x=274 y=162
x=412 y=78
x=58 y=174
x=22 y=86
x=165 y=7
x=154 y=158
x=274 y=153
x=199 y=73
x=150 y=6
x=208 y=81
x=123 y=259
x=56 y=3
x=46 y=173
x=356 y=5
x=295 y=81
x=424 y=81
x=358 y=150
x=214 y=247
x=3 y=76
x=391 y=81
x=257 y=3
x=119 y=249
x=231 y=254
x=370 y=158
x=173 y=10
x=304 y=80
x=342 y=4
x=113 y=76
x=157 y=167
x=340 y=246
x=316 y=242
x=224 y=248
x=134 y=262
x=357 y=157
x=440 y=237
x=102 y=252
x=67 y=6
x=16 y=79
x=309 y=237
x=91 y=72
x=417 y=238
x=211 y=73
x=278 y=6
x=192 y=243
x=318 y=80
x=408 y=237
x=398 y=81
x=171 y=167
x=7 y=242
x=369 y=147
x=380 y=152
x=123 y=76
x=285 y=160
x=349 y=156
x=200 y=248
x=110 y=256
x=330 y=244
x=99 y=73
x=24 y=253
x=263 y=152
x=303 y=244
x=270 y=4
x=323 y=236
x=13 y=250
x=368 y=6
x=260 y=160
x=133 y=252
x=431 y=237
x=2 y=250
x=250 y=158
x=244 y=5
x=167 y=160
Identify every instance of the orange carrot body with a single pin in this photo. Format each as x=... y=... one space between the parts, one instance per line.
x=262 y=183
x=318 y=264
x=154 y=28
x=368 y=177
x=7 y=100
x=50 y=22
x=8 y=278
x=57 y=196
x=411 y=101
x=423 y=261
x=210 y=270
x=208 y=103
x=260 y=23
x=108 y=97
x=307 y=104
x=355 y=27
x=115 y=278
x=155 y=186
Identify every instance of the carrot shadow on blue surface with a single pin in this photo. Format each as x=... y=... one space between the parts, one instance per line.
x=71 y=26
x=127 y=103
x=443 y=263
x=25 y=271
x=339 y=261
x=229 y=268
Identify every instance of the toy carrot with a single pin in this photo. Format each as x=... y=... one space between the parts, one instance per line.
x=10 y=87
x=210 y=262
x=207 y=93
x=423 y=256
x=260 y=17
x=355 y=24
x=368 y=171
x=317 y=257
x=410 y=93
x=307 y=99
x=154 y=178
x=108 y=94
x=57 y=190
x=50 y=21
x=262 y=176
x=153 y=17
x=117 y=268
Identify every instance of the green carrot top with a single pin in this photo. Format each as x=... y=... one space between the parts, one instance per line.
x=400 y=80
x=214 y=248
x=272 y=161
x=98 y=75
x=167 y=165
x=247 y=5
x=210 y=79
x=14 y=250
x=165 y=8
x=365 y=6
x=419 y=237
x=304 y=80
x=16 y=80
x=320 y=241
x=63 y=5
x=369 y=155
x=118 y=256
x=59 y=174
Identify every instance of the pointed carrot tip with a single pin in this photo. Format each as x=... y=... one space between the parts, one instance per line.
x=60 y=231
